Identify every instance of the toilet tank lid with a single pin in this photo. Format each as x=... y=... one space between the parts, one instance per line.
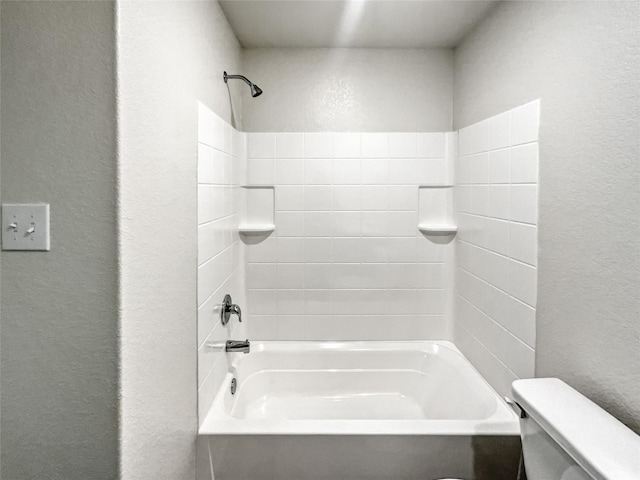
x=597 y=441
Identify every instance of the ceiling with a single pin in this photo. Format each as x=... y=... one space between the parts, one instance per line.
x=353 y=23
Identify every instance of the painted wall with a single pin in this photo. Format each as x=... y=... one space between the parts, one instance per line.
x=349 y=90
x=171 y=56
x=582 y=60
x=59 y=376
x=346 y=260
x=496 y=247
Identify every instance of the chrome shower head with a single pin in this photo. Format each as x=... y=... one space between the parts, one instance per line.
x=255 y=90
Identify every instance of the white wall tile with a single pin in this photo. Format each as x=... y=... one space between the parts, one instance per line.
x=375 y=224
x=480 y=195
x=289 y=276
x=375 y=145
x=375 y=171
x=289 y=197
x=524 y=123
x=261 y=275
x=347 y=302
x=401 y=197
x=261 y=145
x=318 y=224
x=524 y=163
x=290 y=250
x=317 y=197
x=318 y=302
x=346 y=205
x=496 y=246
x=318 y=276
x=374 y=250
x=262 y=302
x=402 y=172
x=317 y=145
x=401 y=224
x=347 y=171
x=206 y=169
x=290 y=145
x=500 y=166
x=317 y=250
x=375 y=197
x=402 y=145
x=401 y=249
x=346 y=145
x=480 y=168
x=262 y=252
x=221 y=168
x=431 y=145
x=346 y=224
x=346 y=275
x=290 y=302
x=498 y=236
x=523 y=205
x=430 y=171
x=290 y=224
x=318 y=172
x=262 y=172
x=523 y=282
x=523 y=243
x=290 y=172
x=346 y=250
x=347 y=197
x=291 y=327
x=499 y=201
x=500 y=131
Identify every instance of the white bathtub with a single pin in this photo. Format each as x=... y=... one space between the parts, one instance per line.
x=365 y=410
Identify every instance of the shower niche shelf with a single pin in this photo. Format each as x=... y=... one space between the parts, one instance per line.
x=434 y=229
x=258 y=210
x=256 y=229
x=436 y=210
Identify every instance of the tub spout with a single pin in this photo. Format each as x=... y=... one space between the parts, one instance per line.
x=242 y=346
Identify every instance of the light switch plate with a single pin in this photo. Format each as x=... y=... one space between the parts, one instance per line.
x=25 y=227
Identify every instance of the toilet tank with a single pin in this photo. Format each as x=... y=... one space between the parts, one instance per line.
x=565 y=436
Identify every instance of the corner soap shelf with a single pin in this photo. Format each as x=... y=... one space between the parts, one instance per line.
x=429 y=229
x=256 y=229
x=258 y=216
x=436 y=210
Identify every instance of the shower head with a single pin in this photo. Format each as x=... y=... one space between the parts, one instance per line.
x=255 y=90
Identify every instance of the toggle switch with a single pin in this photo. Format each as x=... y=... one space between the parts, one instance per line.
x=25 y=227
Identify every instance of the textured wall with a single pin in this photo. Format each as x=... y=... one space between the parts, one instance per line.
x=582 y=59
x=59 y=308
x=357 y=90
x=171 y=56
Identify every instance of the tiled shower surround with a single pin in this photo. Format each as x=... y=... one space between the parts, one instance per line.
x=346 y=260
x=221 y=166
x=496 y=247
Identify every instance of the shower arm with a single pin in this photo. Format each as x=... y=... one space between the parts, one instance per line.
x=240 y=77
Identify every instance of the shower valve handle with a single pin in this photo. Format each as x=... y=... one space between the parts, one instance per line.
x=229 y=308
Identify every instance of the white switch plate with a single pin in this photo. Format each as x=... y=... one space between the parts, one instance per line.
x=25 y=227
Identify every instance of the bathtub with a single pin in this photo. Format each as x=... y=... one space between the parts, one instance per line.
x=358 y=410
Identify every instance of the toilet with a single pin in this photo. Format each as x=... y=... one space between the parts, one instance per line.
x=565 y=436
